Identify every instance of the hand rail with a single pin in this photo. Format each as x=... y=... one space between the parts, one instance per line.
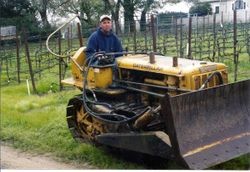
x=47 y=41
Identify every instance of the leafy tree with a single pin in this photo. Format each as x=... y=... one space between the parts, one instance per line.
x=89 y=10
x=201 y=9
x=15 y=8
x=129 y=10
x=19 y=13
x=148 y=5
x=131 y=6
x=42 y=6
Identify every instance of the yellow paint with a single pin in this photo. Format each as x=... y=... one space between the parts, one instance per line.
x=103 y=77
x=80 y=59
x=189 y=74
x=97 y=77
x=77 y=78
x=182 y=76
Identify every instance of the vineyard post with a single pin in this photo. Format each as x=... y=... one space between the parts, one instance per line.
x=60 y=60
x=68 y=38
x=18 y=58
x=71 y=36
x=153 y=32
x=134 y=36
x=224 y=33
x=146 y=40
x=181 y=38
x=197 y=35
x=214 y=37
x=79 y=34
x=29 y=62
x=176 y=36
x=236 y=56
x=189 y=54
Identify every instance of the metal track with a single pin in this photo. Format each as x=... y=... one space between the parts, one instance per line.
x=78 y=128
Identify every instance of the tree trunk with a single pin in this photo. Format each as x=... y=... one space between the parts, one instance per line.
x=129 y=16
x=143 y=20
x=143 y=14
x=44 y=18
x=116 y=17
x=114 y=7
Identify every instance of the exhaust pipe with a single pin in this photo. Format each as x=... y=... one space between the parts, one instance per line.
x=152 y=58
x=175 y=61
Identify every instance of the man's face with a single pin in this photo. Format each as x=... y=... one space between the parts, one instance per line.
x=106 y=25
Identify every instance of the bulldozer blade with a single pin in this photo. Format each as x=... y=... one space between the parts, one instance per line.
x=153 y=143
x=210 y=126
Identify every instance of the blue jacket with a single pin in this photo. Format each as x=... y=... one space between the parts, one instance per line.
x=98 y=41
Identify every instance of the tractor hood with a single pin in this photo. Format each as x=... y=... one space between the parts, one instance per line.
x=164 y=65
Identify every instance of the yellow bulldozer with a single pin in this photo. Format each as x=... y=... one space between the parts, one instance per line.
x=170 y=107
x=174 y=108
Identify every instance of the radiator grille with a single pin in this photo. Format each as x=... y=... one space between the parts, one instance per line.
x=198 y=80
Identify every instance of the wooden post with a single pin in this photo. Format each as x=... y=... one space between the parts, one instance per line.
x=29 y=62
x=223 y=33
x=68 y=37
x=153 y=32
x=7 y=68
x=203 y=28
x=221 y=18
x=189 y=55
x=214 y=37
x=146 y=39
x=172 y=24
x=71 y=36
x=134 y=37
x=60 y=60
x=79 y=34
x=176 y=36
x=235 y=45
x=181 y=39
x=17 y=58
x=165 y=44
x=196 y=36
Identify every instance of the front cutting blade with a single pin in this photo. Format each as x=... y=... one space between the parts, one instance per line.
x=209 y=126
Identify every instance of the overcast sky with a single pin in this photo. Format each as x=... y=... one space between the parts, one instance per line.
x=179 y=7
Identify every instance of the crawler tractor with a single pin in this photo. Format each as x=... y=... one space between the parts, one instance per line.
x=170 y=107
x=173 y=108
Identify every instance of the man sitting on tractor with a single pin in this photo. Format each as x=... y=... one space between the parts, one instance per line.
x=103 y=40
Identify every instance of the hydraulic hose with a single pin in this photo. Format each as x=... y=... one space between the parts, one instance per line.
x=218 y=74
x=123 y=119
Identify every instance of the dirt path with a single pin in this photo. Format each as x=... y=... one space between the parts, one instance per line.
x=15 y=159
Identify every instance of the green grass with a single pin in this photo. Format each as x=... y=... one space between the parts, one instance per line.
x=242 y=163
x=38 y=123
